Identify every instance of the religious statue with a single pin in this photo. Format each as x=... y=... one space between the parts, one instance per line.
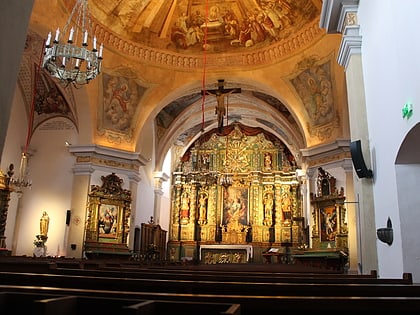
x=267 y=161
x=286 y=204
x=220 y=94
x=185 y=207
x=203 y=208
x=41 y=238
x=44 y=224
x=220 y=109
x=268 y=208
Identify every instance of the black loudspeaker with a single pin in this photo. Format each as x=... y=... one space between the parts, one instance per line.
x=358 y=161
x=68 y=216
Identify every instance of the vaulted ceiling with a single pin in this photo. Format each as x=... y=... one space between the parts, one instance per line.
x=166 y=52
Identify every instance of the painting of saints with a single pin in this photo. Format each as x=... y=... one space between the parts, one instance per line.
x=235 y=206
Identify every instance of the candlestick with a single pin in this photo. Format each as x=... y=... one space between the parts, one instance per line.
x=57 y=34
x=47 y=43
x=85 y=38
x=71 y=34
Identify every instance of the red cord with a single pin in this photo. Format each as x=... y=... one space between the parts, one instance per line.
x=204 y=66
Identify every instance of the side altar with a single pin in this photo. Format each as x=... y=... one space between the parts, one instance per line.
x=235 y=194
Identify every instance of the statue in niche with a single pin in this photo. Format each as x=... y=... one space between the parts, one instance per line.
x=286 y=203
x=185 y=207
x=205 y=161
x=267 y=161
x=268 y=208
x=202 y=219
x=325 y=182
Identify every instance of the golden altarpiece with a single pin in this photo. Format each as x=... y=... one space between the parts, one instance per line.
x=234 y=196
x=329 y=234
x=329 y=228
x=108 y=218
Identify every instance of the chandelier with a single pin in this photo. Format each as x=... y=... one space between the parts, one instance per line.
x=67 y=57
x=22 y=181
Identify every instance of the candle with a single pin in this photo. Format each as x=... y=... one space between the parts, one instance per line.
x=57 y=34
x=77 y=63
x=71 y=34
x=94 y=42
x=47 y=43
x=101 y=48
x=85 y=38
x=63 y=64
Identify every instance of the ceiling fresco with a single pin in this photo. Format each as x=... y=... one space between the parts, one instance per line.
x=272 y=50
x=189 y=26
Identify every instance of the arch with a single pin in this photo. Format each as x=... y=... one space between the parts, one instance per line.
x=407 y=171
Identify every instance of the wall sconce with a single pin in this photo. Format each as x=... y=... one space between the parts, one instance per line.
x=386 y=235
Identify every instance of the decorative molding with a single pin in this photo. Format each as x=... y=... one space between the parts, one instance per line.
x=350 y=45
x=92 y=157
x=331 y=153
x=340 y=16
x=160 y=177
x=334 y=12
x=267 y=56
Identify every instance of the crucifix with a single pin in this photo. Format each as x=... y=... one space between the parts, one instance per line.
x=220 y=93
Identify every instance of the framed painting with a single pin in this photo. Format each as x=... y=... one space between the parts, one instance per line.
x=108 y=217
x=235 y=205
x=328 y=222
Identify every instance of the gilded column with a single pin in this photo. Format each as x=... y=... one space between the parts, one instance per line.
x=4 y=207
x=277 y=213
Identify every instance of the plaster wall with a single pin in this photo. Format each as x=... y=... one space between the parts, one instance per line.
x=391 y=80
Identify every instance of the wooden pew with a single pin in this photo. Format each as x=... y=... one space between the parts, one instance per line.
x=155 y=307
x=286 y=288
x=53 y=304
x=223 y=276
x=254 y=293
x=254 y=304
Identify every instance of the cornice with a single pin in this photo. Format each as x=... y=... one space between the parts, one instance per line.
x=351 y=44
x=266 y=56
x=92 y=157
x=334 y=14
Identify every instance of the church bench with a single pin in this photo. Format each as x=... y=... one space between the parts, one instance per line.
x=52 y=304
x=39 y=302
x=308 y=288
x=155 y=307
x=236 y=276
x=252 y=304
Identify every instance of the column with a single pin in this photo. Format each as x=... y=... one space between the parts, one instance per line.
x=134 y=183
x=160 y=178
x=341 y=16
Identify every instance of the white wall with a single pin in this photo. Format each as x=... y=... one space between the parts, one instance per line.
x=49 y=168
x=15 y=141
x=390 y=57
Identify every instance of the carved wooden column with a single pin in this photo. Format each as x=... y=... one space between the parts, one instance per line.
x=4 y=207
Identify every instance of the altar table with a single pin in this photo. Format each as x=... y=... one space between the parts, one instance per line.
x=225 y=253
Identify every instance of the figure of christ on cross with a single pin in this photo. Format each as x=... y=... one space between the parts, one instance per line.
x=220 y=94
